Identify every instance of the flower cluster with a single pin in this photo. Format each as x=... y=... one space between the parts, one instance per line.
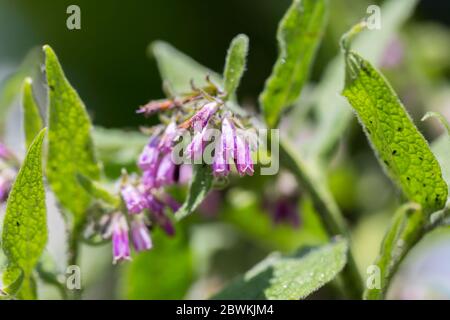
x=8 y=172
x=198 y=117
x=144 y=208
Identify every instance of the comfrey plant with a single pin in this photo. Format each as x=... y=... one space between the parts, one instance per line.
x=204 y=140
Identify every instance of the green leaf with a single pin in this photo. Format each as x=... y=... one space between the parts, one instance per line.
x=201 y=183
x=235 y=64
x=400 y=147
x=32 y=118
x=332 y=111
x=165 y=272
x=178 y=69
x=441 y=149
x=13 y=288
x=12 y=87
x=289 y=277
x=405 y=231
x=25 y=225
x=440 y=117
x=299 y=34
x=97 y=191
x=70 y=147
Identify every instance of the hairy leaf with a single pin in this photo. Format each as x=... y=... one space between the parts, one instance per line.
x=12 y=86
x=32 y=118
x=290 y=277
x=235 y=64
x=178 y=69
x=201 y=183
x=400 y=147
x=332 y=111
x=299 y=35
x=25 y=225
x=405 y=231
x=70 y=147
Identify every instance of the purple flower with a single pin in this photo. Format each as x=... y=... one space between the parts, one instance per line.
x=171 y=202
x=134 y=199
x=170 y=134
x=6 y=179
x=5 y=187
x=201 y=118
x=149 y=179
x=165 y=223
x=140 y=235
x=194 y=150
x=228 y=138
x=154 y=204
x=148 y=159
x=120 y=242
x=220 y=165
x=185 y=174
x=244 y=162
x=166 y=171
x=286 y=210
x=167 y=226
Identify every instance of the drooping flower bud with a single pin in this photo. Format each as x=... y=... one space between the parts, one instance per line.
x=140 y=235
x=228 y=138
x=120 y=241
x=194 y=150
x=243 y=160
x=134 y=199
x=166 y=171
x=185 y=174
x=201 y=118
x=169 y=135
x=154 y=204
x=148 y=159
x=171 y=202
x=220 y=165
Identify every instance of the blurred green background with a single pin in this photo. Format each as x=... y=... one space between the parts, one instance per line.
x=107 y=62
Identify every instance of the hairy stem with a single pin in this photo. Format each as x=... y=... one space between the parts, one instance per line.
x=407 y=228
x=72 y=259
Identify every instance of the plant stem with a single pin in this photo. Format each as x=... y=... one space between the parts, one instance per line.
x=407 y=228
x=72 y=259
x=328 y=210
